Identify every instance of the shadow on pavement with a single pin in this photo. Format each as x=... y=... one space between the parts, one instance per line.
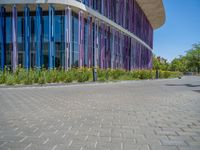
x=188 y=85
x=198 y=91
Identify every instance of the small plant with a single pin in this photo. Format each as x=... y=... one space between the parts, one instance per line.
x=83 y=75
x=117 y=73
x=61 y=75
x=10 y=80
x=135 y=74
x=2 y=77
x=166 y=74
x=42 y=79
x=101 y=73
x=36 y=75
x=68 y=77
x=43 y=76
x=20 y=75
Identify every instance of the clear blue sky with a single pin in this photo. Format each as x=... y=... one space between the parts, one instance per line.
x=181 y=28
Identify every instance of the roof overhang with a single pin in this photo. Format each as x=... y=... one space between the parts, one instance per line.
x=154 y=10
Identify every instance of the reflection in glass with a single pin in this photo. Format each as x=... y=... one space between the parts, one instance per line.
x=75 y=52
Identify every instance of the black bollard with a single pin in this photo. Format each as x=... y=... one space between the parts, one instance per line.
x=94 y=74
x=157 y=74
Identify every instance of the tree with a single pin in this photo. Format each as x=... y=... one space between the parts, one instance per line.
x=179 y=64
x=193 y=57
x=160 y=63
x=156 y=63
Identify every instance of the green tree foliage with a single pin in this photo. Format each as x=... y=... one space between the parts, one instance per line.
x=179 y=64
x=160 y=63
x=188 y=63
x=193 y=57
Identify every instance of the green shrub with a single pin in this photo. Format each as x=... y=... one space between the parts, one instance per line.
x=166 y=74
x=53 y=76
x=2 y=77
x=135 y=74
x=69 y=76
x=61 y=76
x=175 y=74
x=29 y=77
x=42 y=79
x=126 y=76
x=20 y=75
x=161 y=74
x=104 y=74
x=42 y=76
x=10 y=79
x=101 y=79
x=83 y=75
x=49 y=77
x=115 y=74
x=145 y=74
x=36 y=75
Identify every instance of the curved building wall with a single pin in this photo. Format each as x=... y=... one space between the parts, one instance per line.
x=49 y=35
x=126 y=13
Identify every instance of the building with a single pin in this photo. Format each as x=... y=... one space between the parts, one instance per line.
x=77 y=33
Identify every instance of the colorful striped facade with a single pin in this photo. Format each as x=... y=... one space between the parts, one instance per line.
x=99 y=33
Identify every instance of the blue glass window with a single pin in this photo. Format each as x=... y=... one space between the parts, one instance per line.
x=85 y=43
x=45 y=39
x=20 y=39
x=8 y=40
x=75 y=51
x=33 y=40
x=59 y=40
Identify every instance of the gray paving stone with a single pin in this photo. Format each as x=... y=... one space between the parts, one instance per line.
x=139 y=115
x=173 y=143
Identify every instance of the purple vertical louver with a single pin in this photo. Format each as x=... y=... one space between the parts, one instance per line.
x=14 y=38
x=113 y=50
x=89 y=41
x=129 y=15
x=80 y=37
x=108 y=50
x=102 y=45
x=96 y=42
x=68 y=51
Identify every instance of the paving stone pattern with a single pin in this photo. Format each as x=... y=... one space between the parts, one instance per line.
x=134 y=115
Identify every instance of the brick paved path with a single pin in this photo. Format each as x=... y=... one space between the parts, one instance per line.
x=138 y=115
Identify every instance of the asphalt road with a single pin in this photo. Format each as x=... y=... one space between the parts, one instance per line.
x=134 y=115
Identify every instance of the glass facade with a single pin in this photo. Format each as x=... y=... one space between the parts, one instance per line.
x=9 y=48
x=59 y=38
x=20 y=39
x=75 y=46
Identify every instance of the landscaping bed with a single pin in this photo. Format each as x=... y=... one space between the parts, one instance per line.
x=43 y=76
